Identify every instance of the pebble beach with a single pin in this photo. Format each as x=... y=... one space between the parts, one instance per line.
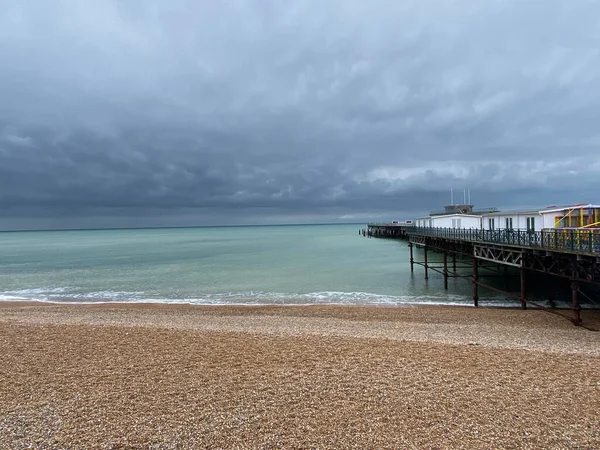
x=177 y=376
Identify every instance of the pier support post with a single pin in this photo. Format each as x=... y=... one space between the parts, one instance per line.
x=425 y=262
x=454 y=262
x=475 y=282
x=549 y=290
x=445 y=270
x=412 y=260
x=575 y=302
x=523 y=288
x=506 y=277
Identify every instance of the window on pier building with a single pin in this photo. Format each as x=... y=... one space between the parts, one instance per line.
x=578 y=217
x=492 y=224
x=531 y=224
x=509 y=223
x=585 y=220
x=456 y=223
x=594 y=217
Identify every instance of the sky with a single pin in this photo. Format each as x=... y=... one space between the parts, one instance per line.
x=195 y=112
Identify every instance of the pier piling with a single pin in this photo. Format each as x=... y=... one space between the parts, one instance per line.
x=575 y=302
x=523 y=288
x=475 y=282
x=445 y=270
x=425 y=262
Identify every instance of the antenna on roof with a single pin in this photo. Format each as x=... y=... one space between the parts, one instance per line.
x=464 y=196
x=469 y=196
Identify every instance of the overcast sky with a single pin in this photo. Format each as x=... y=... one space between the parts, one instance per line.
x=160 y=113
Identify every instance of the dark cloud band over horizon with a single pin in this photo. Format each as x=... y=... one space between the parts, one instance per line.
x=196 y=112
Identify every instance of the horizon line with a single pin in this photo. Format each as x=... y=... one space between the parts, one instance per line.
x=180 y=227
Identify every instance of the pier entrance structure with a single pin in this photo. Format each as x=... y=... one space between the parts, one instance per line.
x=491 y=239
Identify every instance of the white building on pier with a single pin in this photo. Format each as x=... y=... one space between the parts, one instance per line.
x=577 y=216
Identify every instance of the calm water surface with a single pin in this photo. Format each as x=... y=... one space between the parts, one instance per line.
x=223 y=265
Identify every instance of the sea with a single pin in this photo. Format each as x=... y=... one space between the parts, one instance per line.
x=246 y=265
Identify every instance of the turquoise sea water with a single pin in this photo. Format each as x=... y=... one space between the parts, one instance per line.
x=222 y=265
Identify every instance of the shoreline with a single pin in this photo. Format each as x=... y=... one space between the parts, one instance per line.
x=510 y=328
x=133 y=303
x=593 y=314
x=151 y=303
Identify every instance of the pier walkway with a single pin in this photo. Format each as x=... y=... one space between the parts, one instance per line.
x=560 y=240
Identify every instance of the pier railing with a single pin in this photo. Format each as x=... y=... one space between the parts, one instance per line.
x=573 y=240
x=391 y=224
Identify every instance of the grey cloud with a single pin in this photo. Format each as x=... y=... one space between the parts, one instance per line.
x=187 y=112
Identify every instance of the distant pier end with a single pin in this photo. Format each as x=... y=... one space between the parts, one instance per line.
x=393 y=230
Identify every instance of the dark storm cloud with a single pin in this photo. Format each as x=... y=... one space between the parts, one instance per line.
x=195 y=112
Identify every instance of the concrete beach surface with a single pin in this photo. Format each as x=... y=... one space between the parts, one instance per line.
x=175 y=376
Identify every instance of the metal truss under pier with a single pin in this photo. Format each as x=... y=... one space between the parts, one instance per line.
x=567 y=256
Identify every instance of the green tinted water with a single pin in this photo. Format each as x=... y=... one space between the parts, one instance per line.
x=269 y=264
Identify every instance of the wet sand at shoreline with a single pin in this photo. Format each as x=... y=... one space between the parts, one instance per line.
x=176 y=376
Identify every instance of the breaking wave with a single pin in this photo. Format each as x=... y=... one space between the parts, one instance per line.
x=63 y=296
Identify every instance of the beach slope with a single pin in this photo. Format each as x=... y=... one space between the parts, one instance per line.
x=158 y=376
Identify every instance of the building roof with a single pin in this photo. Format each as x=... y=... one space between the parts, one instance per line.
x=463 y=209
x=513 y=212
x=568 y=207
x=494 y=212
x=441 y=216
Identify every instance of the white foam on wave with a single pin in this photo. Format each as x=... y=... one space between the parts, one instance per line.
x=62 y=296
x=37 y=291
x=108 y=294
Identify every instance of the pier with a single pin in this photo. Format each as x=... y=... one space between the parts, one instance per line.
x=569 y=254
x=392 y=230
